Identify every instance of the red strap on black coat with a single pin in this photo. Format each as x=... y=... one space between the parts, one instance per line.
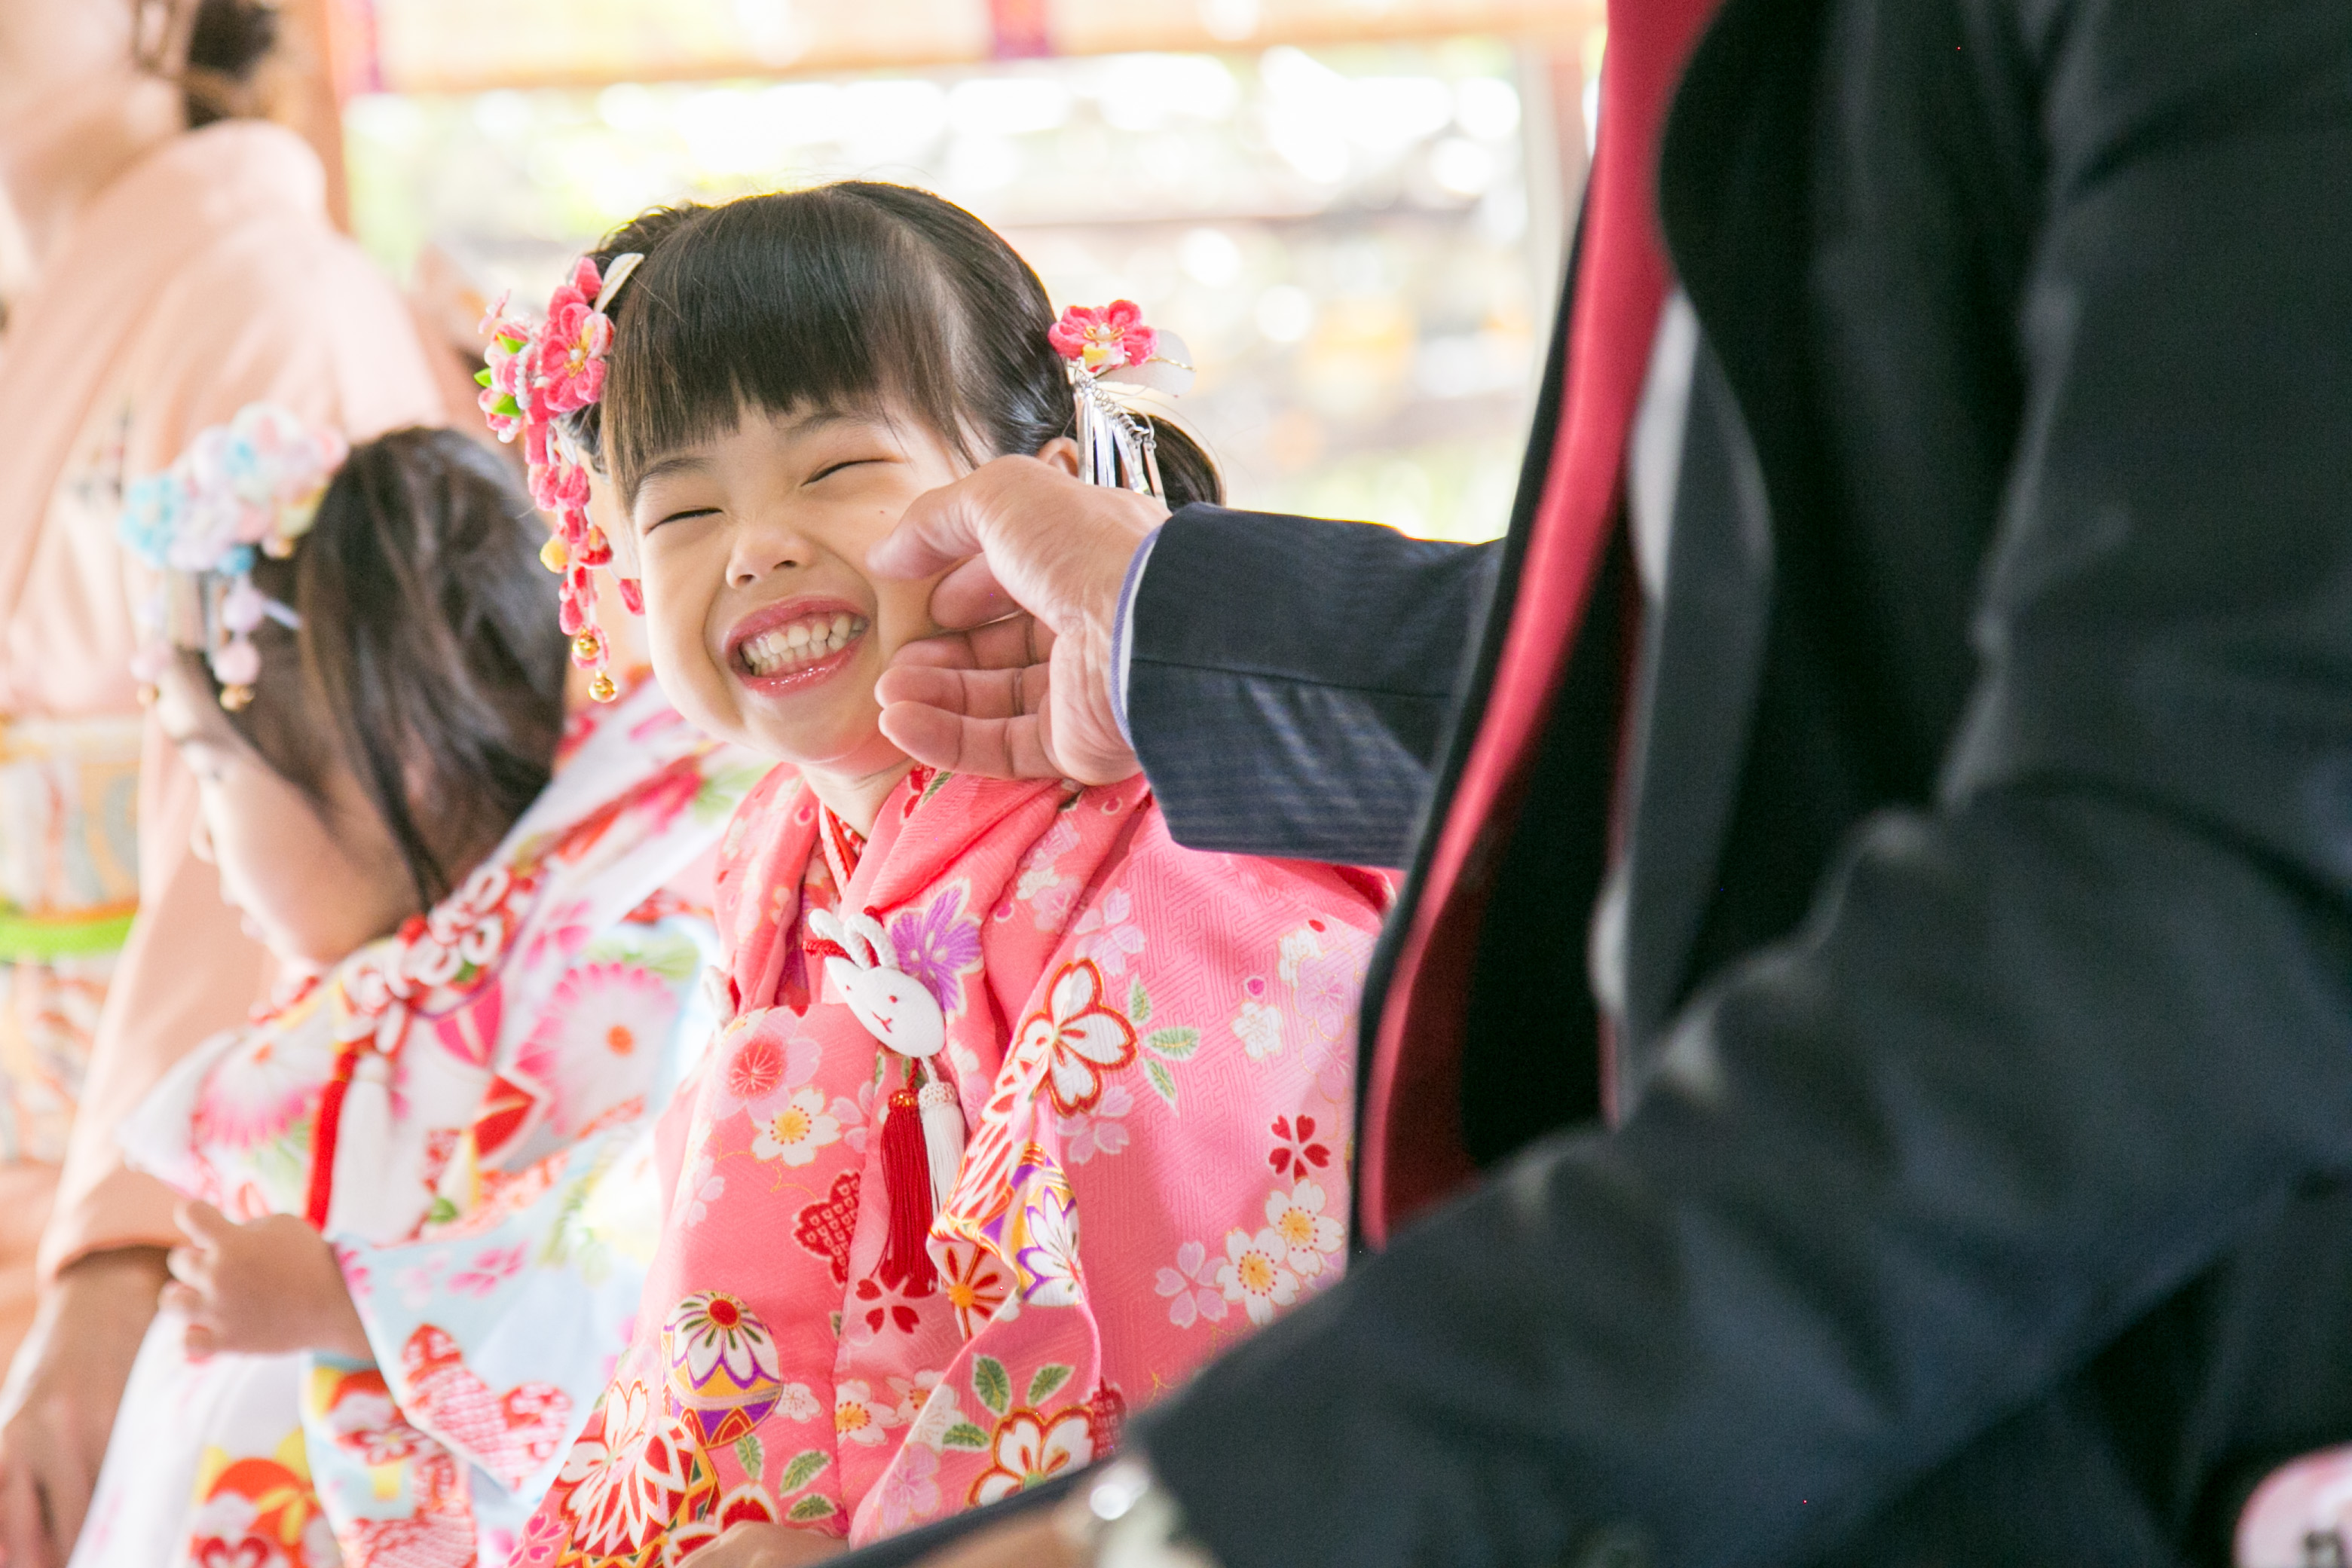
x=1412 y=1158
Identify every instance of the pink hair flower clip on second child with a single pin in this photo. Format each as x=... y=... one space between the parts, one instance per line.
x=1111 y=347
x=533 y=375
x=245 y=489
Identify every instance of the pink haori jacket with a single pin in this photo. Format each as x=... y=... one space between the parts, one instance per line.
x=1150 y=1052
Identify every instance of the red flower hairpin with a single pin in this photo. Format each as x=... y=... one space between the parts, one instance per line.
x=1111 y=346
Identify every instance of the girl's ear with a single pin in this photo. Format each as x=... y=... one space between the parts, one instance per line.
x=1062 y=453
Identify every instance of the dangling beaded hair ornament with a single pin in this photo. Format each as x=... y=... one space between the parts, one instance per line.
x=1112 y=347
x=534 y=375
x=241 y=490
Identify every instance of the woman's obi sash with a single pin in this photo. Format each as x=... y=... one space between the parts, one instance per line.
x=69 y=887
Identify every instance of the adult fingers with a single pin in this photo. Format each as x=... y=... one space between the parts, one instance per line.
x=940 y=530
x=1014 y=643
x=971 y=596
x=997 y=749
x=947 y=651
x=1018 y=745
x=967 y=694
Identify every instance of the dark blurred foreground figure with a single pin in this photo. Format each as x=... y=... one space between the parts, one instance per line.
x=1946 y=759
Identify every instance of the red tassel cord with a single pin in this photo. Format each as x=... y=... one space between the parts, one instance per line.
x=907 y=1265
x=323 y=1135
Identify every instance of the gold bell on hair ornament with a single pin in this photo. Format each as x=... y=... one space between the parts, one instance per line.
x=236 y=663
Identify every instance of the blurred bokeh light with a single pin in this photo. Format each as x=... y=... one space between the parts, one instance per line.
x=1360 y=240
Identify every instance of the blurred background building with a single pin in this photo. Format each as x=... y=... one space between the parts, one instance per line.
x=1352 y=210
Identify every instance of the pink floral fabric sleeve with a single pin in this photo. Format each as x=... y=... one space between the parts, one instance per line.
x=1152 y=1052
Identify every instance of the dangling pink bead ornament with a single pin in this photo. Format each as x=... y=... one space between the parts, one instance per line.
x=243 y=606
x=534 y=374
x=236 y=665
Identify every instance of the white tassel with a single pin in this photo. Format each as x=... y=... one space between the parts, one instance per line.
x=363 y=1152
x=942 y=1137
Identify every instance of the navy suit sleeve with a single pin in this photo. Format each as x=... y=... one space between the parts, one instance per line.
x=2043 y=1054
x=1290 y=680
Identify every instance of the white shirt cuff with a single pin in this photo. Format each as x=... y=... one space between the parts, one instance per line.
x=1122 y=633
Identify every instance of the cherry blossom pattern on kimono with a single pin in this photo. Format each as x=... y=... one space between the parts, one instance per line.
x=1087 y=971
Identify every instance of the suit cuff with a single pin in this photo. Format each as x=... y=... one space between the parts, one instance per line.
x=1122 y=633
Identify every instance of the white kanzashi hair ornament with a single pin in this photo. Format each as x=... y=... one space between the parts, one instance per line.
x=242 y=490
x=1112 y=347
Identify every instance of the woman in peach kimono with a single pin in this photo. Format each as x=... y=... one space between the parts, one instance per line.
x=178 y=275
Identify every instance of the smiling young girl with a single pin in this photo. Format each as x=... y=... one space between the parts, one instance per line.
x=1021 y=1111
x=417 y=1208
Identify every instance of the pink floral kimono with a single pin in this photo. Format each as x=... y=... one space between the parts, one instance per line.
x=466 y=1110
x=1157 y=1041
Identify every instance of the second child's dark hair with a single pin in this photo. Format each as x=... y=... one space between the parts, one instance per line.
x=854 y=297
x=227 y=41
x=428 y=662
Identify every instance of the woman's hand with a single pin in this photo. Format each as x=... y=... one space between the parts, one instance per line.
x=768 y=1546
x=1021 y=685
x=267 y=1286
x=62 y=1396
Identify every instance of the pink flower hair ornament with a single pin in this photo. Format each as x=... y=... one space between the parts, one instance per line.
x=1111 y=347
x=241 y=490
x=534 y=374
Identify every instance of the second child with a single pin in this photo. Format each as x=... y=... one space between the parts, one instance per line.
x=419 y=1193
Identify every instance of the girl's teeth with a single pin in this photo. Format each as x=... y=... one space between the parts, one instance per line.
x=804 y=641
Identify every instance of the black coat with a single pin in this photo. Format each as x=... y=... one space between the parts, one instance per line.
x=1985 y=1078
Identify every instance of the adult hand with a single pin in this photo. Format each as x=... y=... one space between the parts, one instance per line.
x=266 y=1287
x=768 y=1546
x=62 y=1394
x=1020 y=686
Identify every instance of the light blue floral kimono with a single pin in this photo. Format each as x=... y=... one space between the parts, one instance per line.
x=465 y=1110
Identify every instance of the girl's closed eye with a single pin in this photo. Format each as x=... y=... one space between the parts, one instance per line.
x=683 y=515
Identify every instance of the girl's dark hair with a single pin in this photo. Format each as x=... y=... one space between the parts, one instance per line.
x=856 y=297
x=226 y=44
x=428 y=662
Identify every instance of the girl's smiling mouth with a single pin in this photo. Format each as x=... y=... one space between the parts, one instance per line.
x=782 y=647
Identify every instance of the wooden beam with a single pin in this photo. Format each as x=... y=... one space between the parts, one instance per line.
x=455 y=46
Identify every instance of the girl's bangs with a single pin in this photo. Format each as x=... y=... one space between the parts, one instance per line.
x=806 y=299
